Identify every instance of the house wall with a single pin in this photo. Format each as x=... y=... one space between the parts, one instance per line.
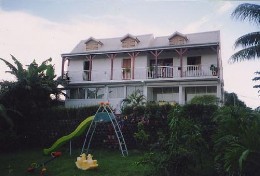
x=75 y=70
x=141 y=67
x=101 y=69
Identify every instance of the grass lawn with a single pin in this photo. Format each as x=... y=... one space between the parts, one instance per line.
x=110 y=162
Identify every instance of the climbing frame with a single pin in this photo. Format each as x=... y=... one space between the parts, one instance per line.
x=105 y=114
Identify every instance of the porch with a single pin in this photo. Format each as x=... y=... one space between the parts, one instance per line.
x=142 y=73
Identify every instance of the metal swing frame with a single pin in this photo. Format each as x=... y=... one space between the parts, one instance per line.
x=105 y=114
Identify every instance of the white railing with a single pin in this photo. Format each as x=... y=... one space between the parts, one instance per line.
x=142 y=73
x=198 y=71
x=163 y=72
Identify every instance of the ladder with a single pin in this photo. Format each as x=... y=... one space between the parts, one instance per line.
x=105 y=114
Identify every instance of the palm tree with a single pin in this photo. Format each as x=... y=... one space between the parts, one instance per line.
x=250 y=42
x=33 y=87
x=135 y=99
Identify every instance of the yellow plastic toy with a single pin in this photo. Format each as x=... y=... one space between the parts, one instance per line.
x=86 y=163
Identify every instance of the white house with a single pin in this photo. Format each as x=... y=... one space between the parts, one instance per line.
x=172 y=68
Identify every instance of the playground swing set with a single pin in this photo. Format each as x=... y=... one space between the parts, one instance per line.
x=103 y=114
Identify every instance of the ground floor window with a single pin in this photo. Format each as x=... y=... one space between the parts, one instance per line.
x=191 y=92
x=168 y=94
x=77 y=93
x=132 y=89
x=201 y=90
x=116 y=92
x=87 y=93
x=95 y=93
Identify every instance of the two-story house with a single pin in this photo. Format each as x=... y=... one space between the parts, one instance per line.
x=172 y=68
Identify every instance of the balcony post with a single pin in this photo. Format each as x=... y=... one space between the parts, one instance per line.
x=181 y=95
x=156 y=54
x=111 y=57
x=180 y=53
x=133 y=56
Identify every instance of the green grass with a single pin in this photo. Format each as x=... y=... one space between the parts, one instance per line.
x=110 y=163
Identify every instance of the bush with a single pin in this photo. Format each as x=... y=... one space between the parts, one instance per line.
x=237 y=141
x=184 y=149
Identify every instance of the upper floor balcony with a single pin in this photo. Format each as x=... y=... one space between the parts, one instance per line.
x=143 y=73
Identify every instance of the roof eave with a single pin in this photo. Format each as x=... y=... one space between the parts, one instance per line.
x=139 y=49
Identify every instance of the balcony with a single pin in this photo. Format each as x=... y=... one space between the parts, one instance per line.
x=175 y=72
x=143 y=73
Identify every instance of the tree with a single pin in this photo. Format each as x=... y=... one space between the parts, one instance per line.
x=250 y=42
x=231 y=99
x=237 y=143
x=33 y=87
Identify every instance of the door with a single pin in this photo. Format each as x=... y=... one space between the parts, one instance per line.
x=126 y=69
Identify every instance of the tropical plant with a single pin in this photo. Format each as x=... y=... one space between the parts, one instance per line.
x=141 y=136
x=5 y=121
x=181 y=150
x=135 y=99
x=231 y=99
x=250 y=42
x=237 y=141
x=33 y=87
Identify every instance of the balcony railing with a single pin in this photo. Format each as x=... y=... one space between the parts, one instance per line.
x=126 y=73
x=141 y=73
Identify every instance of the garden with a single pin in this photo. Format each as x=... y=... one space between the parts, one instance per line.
x=194 y=139
x=199 y=138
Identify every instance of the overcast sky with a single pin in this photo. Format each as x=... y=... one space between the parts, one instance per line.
x=39 y=29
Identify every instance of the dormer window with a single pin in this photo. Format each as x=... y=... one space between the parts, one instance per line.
x=93 y=44
x=177 y=39
x=129 y=41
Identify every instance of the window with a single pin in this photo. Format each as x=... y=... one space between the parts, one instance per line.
x=86 y=71
x=211 y=89
x=132 y=89
x=126 y=69
x=201 y=90
x=196 y=60
x=169 y=94
x=86 y=65
x=116 y=92
x=128 y=43
x=95 y=93
x=77 y=93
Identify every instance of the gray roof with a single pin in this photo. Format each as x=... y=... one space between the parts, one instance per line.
x=148 y=41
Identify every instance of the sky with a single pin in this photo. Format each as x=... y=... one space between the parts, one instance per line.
x=40 y=29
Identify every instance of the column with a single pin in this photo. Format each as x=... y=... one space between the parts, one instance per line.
x=181 y=101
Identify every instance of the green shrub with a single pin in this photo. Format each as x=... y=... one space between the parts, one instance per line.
x=205 y=100
x=183 y=151
x=237 y=141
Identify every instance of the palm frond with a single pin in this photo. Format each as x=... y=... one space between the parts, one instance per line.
x=18 y=64
x=11 y=66
x=46 y=61
x=251 y=39
x=50 y=72
x=247 y=11
x=249 y=53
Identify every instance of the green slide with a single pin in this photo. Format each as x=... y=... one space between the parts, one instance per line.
x=77 y=132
